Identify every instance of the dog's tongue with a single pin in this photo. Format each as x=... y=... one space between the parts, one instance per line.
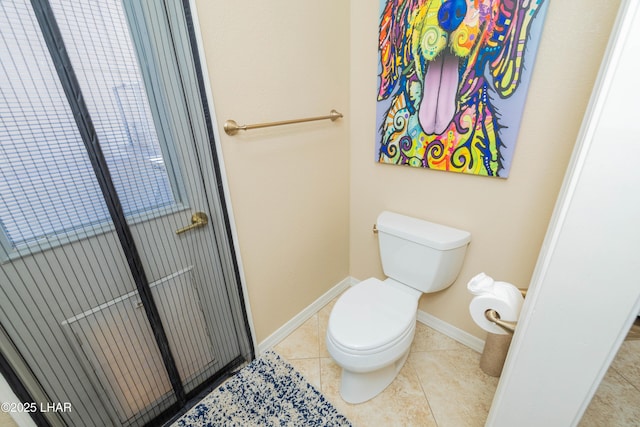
x=439 y=89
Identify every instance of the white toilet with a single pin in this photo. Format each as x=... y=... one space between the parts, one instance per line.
x=372 y=324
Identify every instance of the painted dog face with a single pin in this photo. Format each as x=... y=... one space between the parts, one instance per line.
x=441 y=62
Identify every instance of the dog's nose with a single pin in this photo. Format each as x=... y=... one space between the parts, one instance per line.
x=451 y=14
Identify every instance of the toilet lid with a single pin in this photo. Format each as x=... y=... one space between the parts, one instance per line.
x=371 y=314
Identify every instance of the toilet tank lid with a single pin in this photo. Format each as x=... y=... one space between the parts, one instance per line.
x=427 y=233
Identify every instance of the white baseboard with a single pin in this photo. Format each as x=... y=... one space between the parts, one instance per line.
x=433 y=322
x=451 y=331
x=284 y=331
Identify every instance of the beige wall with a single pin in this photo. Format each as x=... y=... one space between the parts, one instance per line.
x=306 y=196
x=289 y=186
x=507 y=218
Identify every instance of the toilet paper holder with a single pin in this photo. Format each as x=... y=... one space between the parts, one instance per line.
x=494 y=316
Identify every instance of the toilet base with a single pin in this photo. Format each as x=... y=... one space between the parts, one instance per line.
x=358 y=387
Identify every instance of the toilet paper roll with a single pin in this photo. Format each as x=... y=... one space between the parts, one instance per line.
x=506 y=299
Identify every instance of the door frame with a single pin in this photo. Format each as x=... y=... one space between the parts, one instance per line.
x=203 y=71
x=584 y=293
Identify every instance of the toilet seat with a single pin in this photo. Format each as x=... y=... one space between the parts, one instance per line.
x=371 y=317
x=372 y=351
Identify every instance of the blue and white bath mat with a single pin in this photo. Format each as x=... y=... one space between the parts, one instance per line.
x=267 y=392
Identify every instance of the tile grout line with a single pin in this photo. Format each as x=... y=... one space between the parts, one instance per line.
x=617 y=371
x=424 y=393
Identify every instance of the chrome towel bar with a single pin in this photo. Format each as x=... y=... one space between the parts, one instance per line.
x=231 y=127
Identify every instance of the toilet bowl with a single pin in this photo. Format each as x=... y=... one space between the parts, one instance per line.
x=372 y=324
x=370 y=331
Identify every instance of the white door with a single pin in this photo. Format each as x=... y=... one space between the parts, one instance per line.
x=121 y=316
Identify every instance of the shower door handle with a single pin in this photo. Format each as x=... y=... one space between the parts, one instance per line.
x=198 y=219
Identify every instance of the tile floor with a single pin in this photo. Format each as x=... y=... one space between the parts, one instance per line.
x=442 y=385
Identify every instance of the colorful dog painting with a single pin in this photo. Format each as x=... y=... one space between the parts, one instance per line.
x=452 y=83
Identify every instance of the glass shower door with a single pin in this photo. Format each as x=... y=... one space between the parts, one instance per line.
x=113 y=311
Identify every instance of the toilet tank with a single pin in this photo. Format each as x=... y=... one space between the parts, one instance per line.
x=420 y=254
